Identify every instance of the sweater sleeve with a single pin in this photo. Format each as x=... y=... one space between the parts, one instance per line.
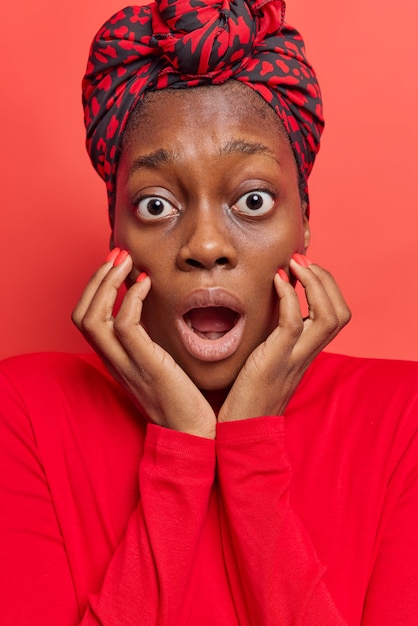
x=35 y=580
x=149 y=578
x=276 y=577
x=392 y=594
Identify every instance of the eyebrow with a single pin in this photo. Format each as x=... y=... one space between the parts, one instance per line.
x=152 y=160
x=161 y=157
x=241 y=146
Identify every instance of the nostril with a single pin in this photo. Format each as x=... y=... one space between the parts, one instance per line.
x=193 y=263
x=223 y=260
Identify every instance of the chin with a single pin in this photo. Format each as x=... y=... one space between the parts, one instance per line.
x=217 y=376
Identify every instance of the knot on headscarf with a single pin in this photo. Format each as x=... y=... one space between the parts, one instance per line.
x=198 y=38
x=187 y=43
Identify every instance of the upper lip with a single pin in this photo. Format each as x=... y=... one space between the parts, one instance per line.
x=211 y=297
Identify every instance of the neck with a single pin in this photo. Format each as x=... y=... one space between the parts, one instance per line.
x=215 y=397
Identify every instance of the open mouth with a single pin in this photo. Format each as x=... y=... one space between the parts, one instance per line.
x=212 y=322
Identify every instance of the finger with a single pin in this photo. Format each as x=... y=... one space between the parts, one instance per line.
x=334 y=293
x=270 y=373
x=95 y=316
x=290 y=322
x=328 y=312
x=126 y=324
x=260 y=384
x=323 y=294
x=114 y=259
x=101 y=301
x=90 y=290
x=131 y=306
x=143 y=362
x=148 y=359
x=277 y=348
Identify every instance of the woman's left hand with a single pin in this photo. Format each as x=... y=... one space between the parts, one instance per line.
x=272 y=372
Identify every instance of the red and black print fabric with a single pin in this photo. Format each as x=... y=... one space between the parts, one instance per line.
x=186 y=43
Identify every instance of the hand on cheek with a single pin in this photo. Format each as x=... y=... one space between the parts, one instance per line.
x=157 y=384
x=273 y=371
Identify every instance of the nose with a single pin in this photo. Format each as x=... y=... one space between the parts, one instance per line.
x=207 y=242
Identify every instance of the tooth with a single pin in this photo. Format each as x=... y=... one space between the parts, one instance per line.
x=214 y=335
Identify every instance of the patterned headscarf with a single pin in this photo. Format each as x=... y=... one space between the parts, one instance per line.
x=187 y=43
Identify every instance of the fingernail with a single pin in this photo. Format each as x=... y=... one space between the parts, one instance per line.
x=301 y=259
x=121 y=257
x=112 y=255
x=141 y=277
x=283 y=275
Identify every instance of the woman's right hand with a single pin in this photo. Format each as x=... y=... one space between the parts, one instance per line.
x=158 y=385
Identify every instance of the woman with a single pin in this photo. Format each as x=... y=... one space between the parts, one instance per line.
x=226 y=471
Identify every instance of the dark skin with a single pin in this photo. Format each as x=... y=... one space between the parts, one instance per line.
x=215 y=214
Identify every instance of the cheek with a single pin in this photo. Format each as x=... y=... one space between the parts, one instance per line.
x=150 y=250
x=275 y=252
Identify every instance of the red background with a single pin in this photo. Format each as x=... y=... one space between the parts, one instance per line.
x=364 y=195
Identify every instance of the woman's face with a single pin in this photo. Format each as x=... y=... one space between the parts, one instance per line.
x=208 y=205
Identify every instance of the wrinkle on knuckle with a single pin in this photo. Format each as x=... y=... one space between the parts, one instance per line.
x=295 y=328
x=330 y=322
x=345 y=316
x=323 y=274
x=89 y=325
x=122 y=327
x=327 y=274
x=77 y=317
x=97 y=276
x=256 y=363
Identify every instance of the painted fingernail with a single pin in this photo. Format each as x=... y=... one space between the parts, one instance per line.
x=141 y=277
x=301 y=259
x=283 y=275
x=112 y=255
x=121 y=257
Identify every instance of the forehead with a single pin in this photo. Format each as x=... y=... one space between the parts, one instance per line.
x=213 y=109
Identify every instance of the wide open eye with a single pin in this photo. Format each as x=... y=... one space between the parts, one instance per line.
x=255 y=203
x=154 y=208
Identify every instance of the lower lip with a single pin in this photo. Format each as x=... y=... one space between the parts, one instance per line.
x=211 y=349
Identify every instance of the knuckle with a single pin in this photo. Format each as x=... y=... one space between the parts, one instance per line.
x=76 y=317
x=327 y=274
x=330 y=322
x=125 y=329
x=97 y=276
x=345 y=316
x=323 y=274
x=295 y=327
x=88 y=325
x=121 y=326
